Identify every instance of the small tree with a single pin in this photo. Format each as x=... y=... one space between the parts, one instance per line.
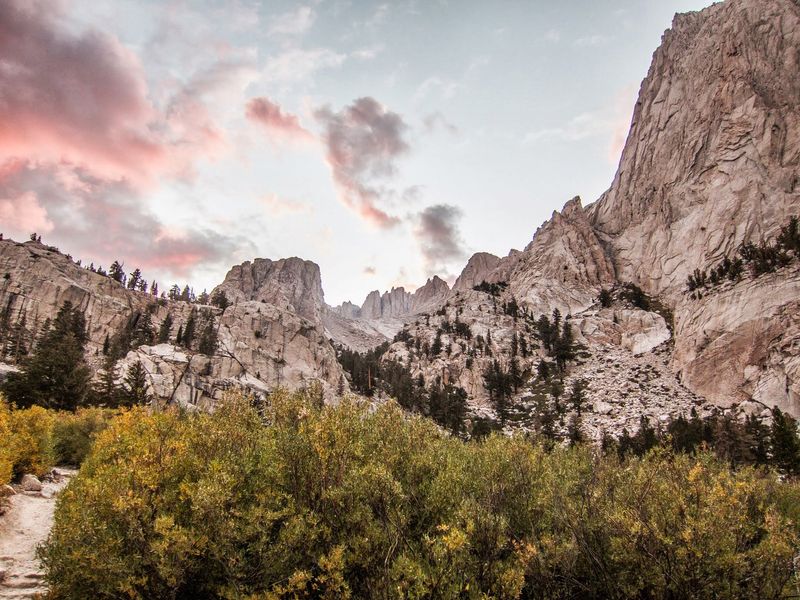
x=208 y=338
x=135 y=279
x=117 y=272
x=135 y=387
x=164 y=329
x=785 y=443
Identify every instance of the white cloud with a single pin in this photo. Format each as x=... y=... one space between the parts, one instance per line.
x=446 y=88
x=293 y=23
x=296 y=65
x=553 y=36
x=612 y=122
x=592 y=40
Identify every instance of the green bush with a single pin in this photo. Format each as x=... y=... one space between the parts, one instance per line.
x=293 y=500
x=74 y=433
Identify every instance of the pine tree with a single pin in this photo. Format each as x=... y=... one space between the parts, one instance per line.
x=135 y=387
x=208 y=338
x=188 y=331
x=785 y=443
x=179 y=336
x=56 y=376
x=117 y=272
x=135 y=279
x=106 y=392
x=143 y=334
x=577 y=395
x=436 y=349
x=220 y=300
x=165 y=329
x=174 y=292
x=203 y=298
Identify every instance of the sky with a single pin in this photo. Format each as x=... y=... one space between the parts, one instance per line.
x=386 y=142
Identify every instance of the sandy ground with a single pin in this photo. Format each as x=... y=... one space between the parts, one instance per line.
x=23 y=527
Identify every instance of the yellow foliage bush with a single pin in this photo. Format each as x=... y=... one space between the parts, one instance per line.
x=294 y=500
x=6 y=454
x=31 y=442
x=35 y=439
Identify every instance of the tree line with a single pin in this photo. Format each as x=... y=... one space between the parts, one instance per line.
x=758 y=259
x=54 y=372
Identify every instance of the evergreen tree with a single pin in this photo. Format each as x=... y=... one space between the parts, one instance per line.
x=174 y=292
x=56 y=376
x=143 y=334
x=203 y=298
x=179 y=336
x=135 y=388
x=436 y=349
x=187 y=295
x=220 y=300
x=117 y=272
x=106 y=392
x=135 y=279
x=577 y=396
x=188 y=331
x=574 y=433
x=208 y=338
x=758 y=434
x=165 y=329
x=785 y=443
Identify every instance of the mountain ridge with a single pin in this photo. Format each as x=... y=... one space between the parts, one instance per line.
x=710 y=163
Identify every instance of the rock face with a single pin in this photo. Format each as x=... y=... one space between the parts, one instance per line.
x=272 y=335
x=712 y=160
x=292 y=284
x=564 y=266
x=478 y=268
x=714 y=148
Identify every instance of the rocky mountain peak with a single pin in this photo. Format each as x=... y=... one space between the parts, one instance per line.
x=714 y=148
x=292 y=283
x=477 y=270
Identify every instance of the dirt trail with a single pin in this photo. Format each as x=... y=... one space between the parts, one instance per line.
x=23 y=527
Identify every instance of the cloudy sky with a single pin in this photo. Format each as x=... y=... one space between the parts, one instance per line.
x=384 y=141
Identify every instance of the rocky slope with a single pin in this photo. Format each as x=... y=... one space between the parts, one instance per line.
x=712 y=160
x=271 y=335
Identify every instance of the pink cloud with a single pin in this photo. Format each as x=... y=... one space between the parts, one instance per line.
x=279 y=206
x=24 y=213
x=81 y=140
x=363 y=141
x=83 y=100
x=275 y=121
x=101 y=220
x=621 y=124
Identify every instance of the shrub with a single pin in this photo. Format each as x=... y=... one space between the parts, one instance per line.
x=291 y=499
x=74 y=433
x=6 y=454
x=30 y=444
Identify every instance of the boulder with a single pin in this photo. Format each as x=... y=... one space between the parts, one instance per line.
x=30 y=483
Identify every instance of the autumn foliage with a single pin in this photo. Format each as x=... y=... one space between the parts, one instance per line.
x=290 y=499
